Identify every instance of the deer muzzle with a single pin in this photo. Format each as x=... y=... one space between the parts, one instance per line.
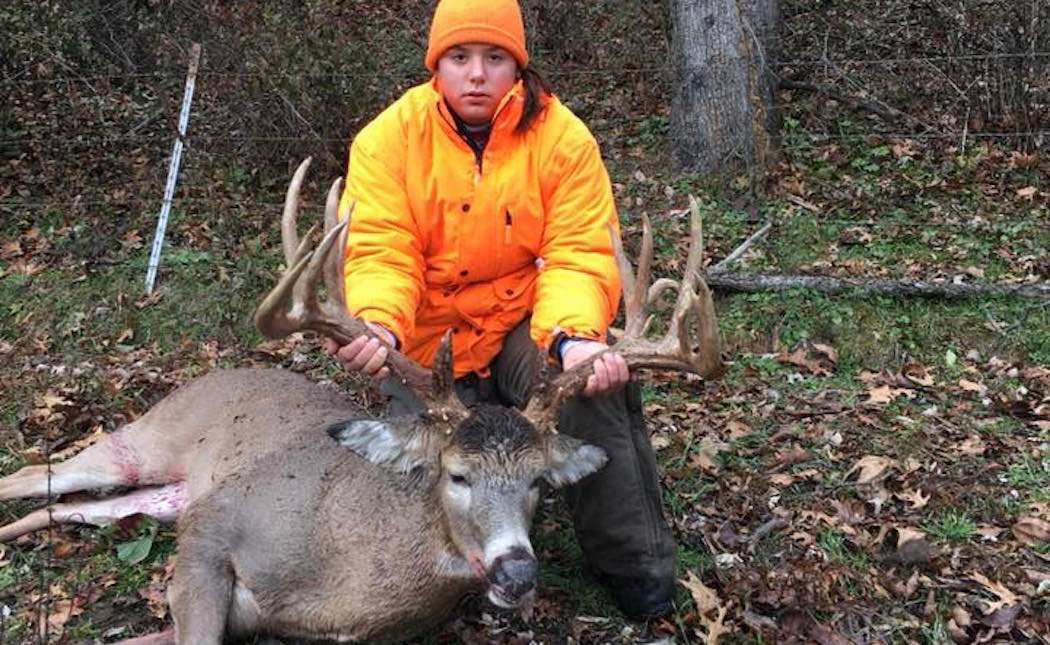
x=511 y=577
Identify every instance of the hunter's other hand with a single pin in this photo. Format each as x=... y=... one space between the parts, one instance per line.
x=610 y=370
x=364 y=354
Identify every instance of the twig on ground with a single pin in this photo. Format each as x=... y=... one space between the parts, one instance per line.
x=740 y=250
x=774 y=524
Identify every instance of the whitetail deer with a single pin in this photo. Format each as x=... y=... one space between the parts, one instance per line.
x=301 y=516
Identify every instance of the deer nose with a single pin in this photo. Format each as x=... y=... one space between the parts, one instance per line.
x=514 y=573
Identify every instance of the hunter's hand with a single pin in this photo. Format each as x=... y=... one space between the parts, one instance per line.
x=363 y=354
x=610 y=371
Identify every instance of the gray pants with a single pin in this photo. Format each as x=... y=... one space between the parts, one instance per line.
x=617 y=512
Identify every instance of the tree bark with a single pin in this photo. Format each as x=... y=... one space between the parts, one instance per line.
x=765 y=282
x=724 y=52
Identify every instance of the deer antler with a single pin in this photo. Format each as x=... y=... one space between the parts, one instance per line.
x=677 y=350
x=294 y=305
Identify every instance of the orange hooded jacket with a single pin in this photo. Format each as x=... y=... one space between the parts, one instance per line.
x=440 y=239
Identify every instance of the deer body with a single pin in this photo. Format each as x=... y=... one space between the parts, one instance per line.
x=301 y=536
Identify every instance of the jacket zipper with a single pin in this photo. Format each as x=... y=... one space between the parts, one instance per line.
x=507 y=222
x=478 y=154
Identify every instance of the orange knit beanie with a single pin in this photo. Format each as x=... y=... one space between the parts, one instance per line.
x=496 y=22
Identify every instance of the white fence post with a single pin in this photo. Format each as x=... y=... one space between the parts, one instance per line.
x=173 y=168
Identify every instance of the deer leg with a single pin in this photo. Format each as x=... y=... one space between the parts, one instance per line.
x=114 y=461
x=201 y=589
x=161 y=502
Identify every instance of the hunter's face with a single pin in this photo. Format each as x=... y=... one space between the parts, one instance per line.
x=474 y=78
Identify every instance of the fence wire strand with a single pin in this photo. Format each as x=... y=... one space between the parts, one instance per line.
x=178 y=74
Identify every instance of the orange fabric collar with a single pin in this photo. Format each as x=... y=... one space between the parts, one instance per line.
x=508 y=113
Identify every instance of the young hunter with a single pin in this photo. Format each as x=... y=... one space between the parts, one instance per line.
x=483 y=206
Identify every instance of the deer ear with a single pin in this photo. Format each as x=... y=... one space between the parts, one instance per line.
x=384 y=443
x=570 y=460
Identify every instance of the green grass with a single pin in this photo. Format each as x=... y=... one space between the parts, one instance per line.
x=872 y=332
x=953 y=526
x=837 y=548
x=1031 y=477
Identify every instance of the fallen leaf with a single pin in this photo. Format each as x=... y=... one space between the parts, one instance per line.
x=914 y=498
x=791 y=456
x=970 y=386
x=989 y=533
x=849 y=512
x=869 y=378
x=1036 y=372
x=913 y=547
x=871 y=467
x=1031 y=531
x=828 y=351
x=824 y=635
x=11 y=249
x=707 y=603
x=1027 y=192
x=961 y=617
x=1006 y=598
x=61 y=610
x=1003 y=618
x=886 y=394
x=738 y=429
x=758 y=622
x=705 y=458
x=96 y=435
x=659 y=441
x=917 y=373
x=799 y=358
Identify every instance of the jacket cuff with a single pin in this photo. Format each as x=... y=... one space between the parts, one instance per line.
x=386 y=321
x=561 y=344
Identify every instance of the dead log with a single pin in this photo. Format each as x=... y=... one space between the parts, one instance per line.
x=727 y=281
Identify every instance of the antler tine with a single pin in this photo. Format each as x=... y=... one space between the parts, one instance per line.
x=333 y=268
x=634 y=288
x=547 y=396
x=293 y=249
x=271 y=316
x=441 y=401
x=294 y=304
x=675 y=351
x=695 y=304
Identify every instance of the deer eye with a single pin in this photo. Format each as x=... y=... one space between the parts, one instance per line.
x=535 y=483
x=458 y=480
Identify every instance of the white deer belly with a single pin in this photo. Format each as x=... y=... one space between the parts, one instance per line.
x=245 y=615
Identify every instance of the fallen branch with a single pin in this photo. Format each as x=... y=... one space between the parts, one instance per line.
x=766 y=282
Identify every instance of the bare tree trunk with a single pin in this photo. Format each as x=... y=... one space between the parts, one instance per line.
x=724 y=51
